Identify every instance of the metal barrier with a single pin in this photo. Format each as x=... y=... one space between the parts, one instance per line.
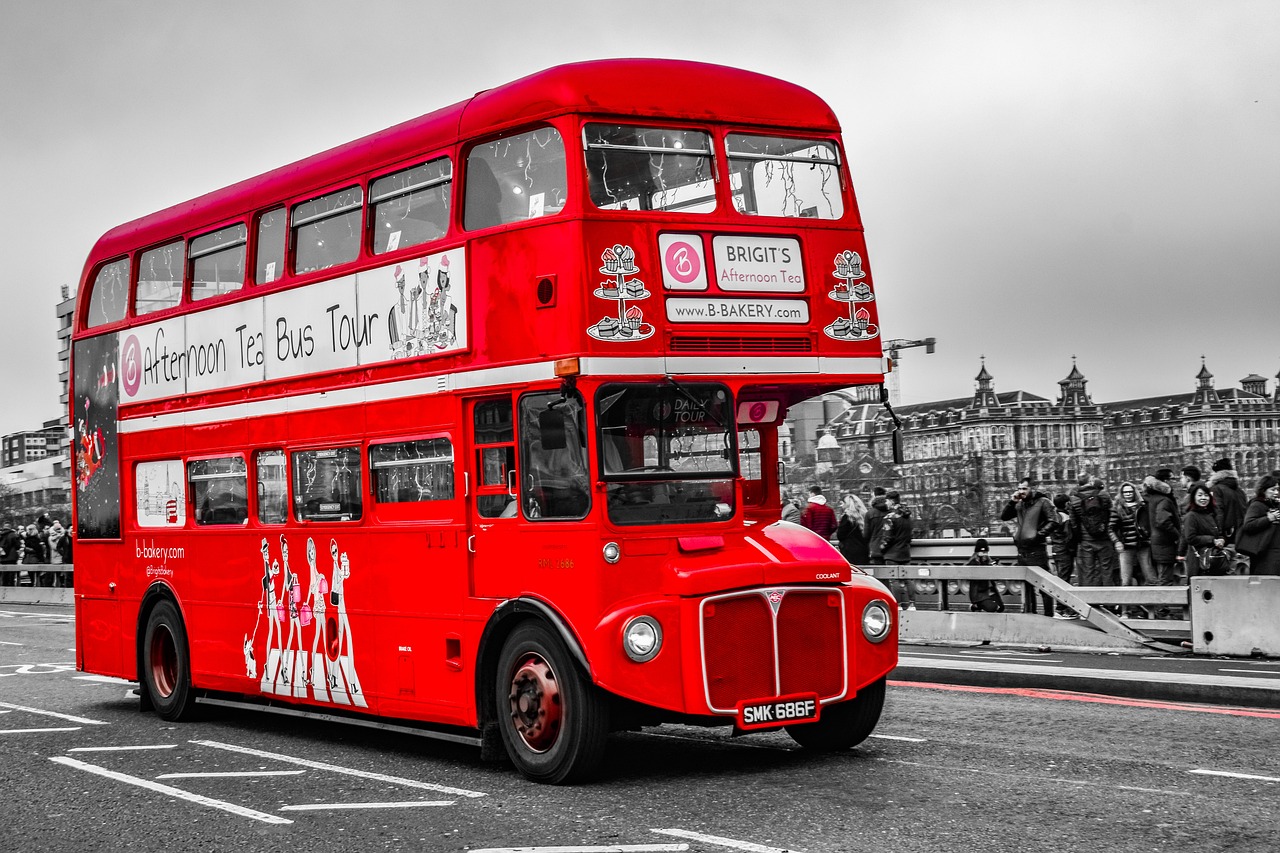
x=37 y=583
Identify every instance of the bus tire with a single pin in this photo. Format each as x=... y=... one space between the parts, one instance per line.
x=554 y=722
x=166 y=663
x=843 y=725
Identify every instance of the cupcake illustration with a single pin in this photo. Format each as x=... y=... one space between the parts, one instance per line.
x=634 y=316
x=849 y=265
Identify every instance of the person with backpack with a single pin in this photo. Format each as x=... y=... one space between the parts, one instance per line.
x=1091 y=513
x=1036 y=516
x=984 y=595
x=895 y=544
x=1064 y=541
x=1166 y=526
x=1229 y=500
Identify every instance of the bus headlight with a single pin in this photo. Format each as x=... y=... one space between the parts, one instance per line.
x=612 y=553
x=642 y=638
x=876 y=621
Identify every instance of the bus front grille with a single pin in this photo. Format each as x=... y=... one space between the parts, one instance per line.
x=773 y=642
x=740 y=343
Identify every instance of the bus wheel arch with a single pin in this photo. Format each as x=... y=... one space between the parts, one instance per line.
x=164 y=656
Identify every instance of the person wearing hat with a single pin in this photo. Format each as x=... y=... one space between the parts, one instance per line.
x=1229 y=500
x=984 y=595
x=1166 y=525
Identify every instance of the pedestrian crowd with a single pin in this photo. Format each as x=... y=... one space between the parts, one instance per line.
x=43 y=542
x=1146 y=532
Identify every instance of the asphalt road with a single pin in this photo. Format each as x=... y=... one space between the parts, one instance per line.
x=951 y=768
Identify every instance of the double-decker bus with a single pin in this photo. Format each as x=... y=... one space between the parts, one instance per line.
x=470 y=426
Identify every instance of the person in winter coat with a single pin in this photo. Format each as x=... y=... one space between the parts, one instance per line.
x=875 y=526
x=1090 y=507
x=1036 y=517
x=1228 y=499
x=10 y=550
x=895 y=545
x=852 y=531
x=790 y=509
x=1260 y=532
x=1200 y=529
x=34 y=545
x=984 y=595
x=1166 y=526
x=817 y=516
x=1132 y=524
x=1064 y=540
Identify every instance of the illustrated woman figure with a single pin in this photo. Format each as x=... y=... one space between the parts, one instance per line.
x=292 y=594
x=268 y=602
x=316 y=594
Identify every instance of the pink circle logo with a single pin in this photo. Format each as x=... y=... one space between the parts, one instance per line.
x=131 y=365
x=682 y=262
x=757 y=411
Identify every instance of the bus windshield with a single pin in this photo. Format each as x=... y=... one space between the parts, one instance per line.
x=667 y=452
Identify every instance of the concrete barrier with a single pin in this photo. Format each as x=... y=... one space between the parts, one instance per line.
x=1235 y=616
x=21 y=584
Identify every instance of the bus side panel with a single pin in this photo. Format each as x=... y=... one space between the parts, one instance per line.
x=99 y=638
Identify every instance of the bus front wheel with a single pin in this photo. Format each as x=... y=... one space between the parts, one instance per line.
x=166 y=663
x=554 y=722
x=844 y=725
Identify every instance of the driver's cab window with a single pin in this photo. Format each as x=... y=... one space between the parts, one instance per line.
x=553 y=456
x=495 y=464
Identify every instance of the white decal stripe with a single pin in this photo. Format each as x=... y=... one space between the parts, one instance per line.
x=334 y=768
x=761 y=549
x=172 y=792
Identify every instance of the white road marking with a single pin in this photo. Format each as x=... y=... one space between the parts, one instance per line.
x=1032 y=777
x=13 y=613
x=720 y=841
x=334 y=768
x=68 y=717
x=1071 y=672
x=3 y=643
x=901 y=737
x=170 y=791
x=105 y=679
x=1251 y=671
x=123 y=748
x=591 y=848
x=985 y=656
x=34 y=731
x=321 y=807
x=230 y=773
x=1204 y=772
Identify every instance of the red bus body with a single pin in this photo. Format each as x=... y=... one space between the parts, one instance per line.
x=319 y=483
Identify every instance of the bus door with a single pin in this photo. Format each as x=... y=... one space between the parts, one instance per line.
x=530 y=479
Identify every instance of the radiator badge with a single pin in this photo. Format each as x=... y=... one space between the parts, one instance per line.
x=775 y=598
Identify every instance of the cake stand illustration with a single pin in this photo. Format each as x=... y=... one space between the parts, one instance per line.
x=628 y=324
x=850 y=290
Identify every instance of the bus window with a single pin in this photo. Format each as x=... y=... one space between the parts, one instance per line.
x=219 y=490
x=749 y=466
x=273 y=498
x=160 y=278
x=160 y=494
x=326 y=485
x=217 y=262
x=553 y=456
x=777 y=176
x=412 y=471
x=412 y=206
x=646 y=168
x=327 y=230
x=270 y=249
x=516 y=178
x=110 y=295
x=494 y=438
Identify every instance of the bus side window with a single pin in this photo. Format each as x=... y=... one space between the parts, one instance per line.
x=553 y=456
x=160 y=277
x=411 y=206
x=326 y=485
x=270 y=246
x=515 y=178
x=494 y=438
x=273 y=498
x=219 y=490
x=110 y=295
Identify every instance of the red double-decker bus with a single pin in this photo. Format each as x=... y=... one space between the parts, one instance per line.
x=470 y=426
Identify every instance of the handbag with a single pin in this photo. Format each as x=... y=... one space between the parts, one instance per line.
x=1214 y=560
x=1253 y=544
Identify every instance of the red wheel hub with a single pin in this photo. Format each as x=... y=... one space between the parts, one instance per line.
x=164 y=661
x=536 y=710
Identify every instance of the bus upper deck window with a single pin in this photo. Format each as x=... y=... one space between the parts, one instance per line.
x=217 y=262
x=327 y=230
x=110 y=295
x=160 y=278
x=781 y=176
x=412 y=206
x=515 y=178
x=270 y=252
x=648 y=168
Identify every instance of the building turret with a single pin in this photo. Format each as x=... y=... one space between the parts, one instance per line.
x=1254 y=384
x=1205 y=394
x=1073 y=388
x=984 y=397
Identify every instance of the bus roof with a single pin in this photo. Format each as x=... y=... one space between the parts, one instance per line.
x=657 y=88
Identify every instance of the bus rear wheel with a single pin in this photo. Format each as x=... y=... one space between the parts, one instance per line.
x=844 y=725
x=166 y=663
x=554 y=722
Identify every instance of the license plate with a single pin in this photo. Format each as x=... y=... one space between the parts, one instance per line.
x=779 y=711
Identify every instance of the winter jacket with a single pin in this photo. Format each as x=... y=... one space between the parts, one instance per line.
x=1063 y=536
x=875 y=529
x=1199 y=530
x=791 y=512
x=34 y=553
x=853 y=541
x=1131 y=523
x=10 y=545
x=1228 y=500
x=1077 y=506
x=1265 y=561
x=895 y=536
x=819 y=517
x=1036 y=516
x=1166 y=527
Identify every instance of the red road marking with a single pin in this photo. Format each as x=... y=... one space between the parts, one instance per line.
x=1069 y=696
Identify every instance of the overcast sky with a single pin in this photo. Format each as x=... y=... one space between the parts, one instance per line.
x=1037 y=179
